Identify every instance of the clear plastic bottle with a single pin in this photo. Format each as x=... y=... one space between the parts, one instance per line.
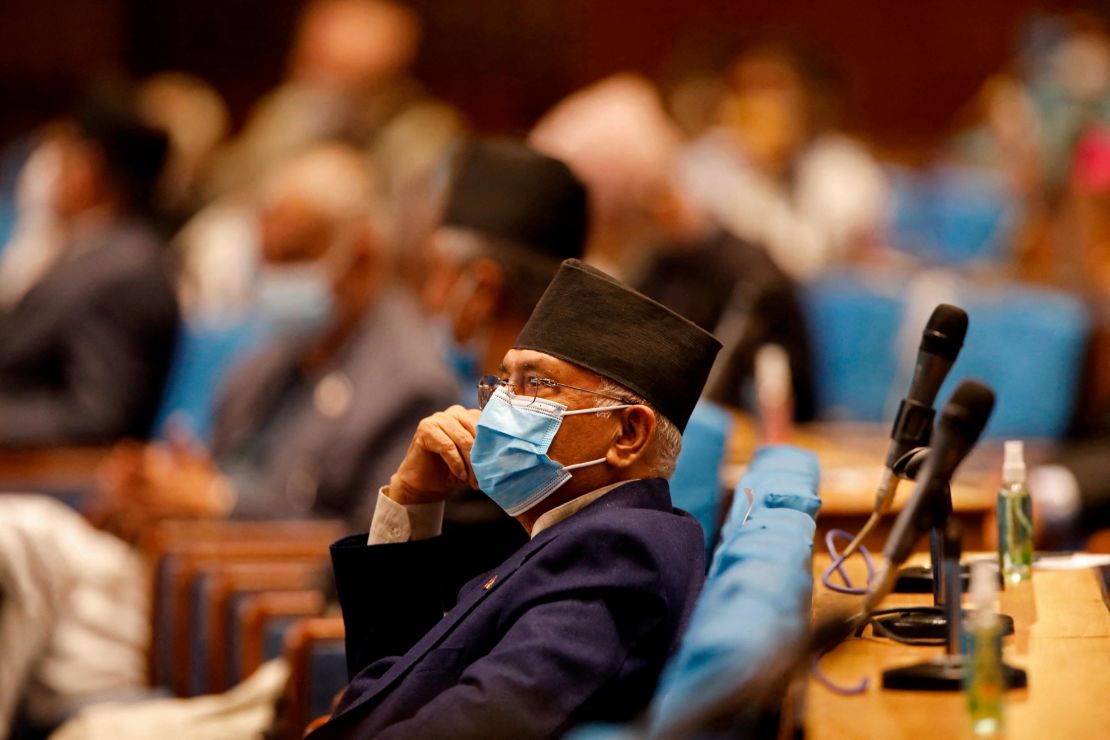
x=983 y=681
x=1015 y=517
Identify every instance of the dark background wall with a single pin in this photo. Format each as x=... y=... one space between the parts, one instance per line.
x=908 y=66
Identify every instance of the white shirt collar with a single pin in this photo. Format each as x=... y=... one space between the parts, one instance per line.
x=566 y=510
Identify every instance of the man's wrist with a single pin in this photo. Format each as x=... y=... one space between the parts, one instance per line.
x=406 y=495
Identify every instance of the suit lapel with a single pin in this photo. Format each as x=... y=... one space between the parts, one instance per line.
x=475 y=595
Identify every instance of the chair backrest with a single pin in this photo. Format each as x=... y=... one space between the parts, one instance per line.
x=258 y=626
x=756 y=599
x=202 y=358
x=853 y=324
x=209 y=614
x=1027 y=343
x=181 y=549
x=317 y=669
x=696 y=483
x=951 y=215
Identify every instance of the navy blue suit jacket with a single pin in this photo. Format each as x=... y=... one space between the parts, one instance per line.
x=573 y=627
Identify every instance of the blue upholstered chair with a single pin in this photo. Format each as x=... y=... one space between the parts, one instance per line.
x=203 y=357
x=756 y=600
x=1029 y=345
x=951 y=215
x=1026 y=342
x=853 y=327
x=696 y=484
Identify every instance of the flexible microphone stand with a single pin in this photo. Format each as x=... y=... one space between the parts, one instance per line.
x=947 y=672
x=918 y=579
x=929 y=625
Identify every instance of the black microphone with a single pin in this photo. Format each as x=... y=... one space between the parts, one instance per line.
x=961 y=422
x=941 y=342
x=913 y=425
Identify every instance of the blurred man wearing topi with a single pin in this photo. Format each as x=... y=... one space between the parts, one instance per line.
x=576 y=439
x=327 y=406
x=511 y=216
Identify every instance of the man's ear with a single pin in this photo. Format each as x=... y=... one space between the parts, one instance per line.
x=633 y=437
x=365 y=269
x=488 y=281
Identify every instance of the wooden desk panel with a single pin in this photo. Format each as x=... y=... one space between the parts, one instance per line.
x=1062 y=639
x=50 y=468
x=851 y=455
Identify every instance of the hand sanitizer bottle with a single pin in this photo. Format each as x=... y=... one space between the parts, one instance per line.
x=1015 y=517
x=983 y=681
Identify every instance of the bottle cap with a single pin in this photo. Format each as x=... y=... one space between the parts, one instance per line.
x=1013 y=461
x=984 y=586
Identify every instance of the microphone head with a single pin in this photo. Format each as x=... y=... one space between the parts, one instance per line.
x=945 y=332
x=968 y=410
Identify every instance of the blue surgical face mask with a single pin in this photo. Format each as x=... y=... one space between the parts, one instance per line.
x=295 y=301
x=509 y=455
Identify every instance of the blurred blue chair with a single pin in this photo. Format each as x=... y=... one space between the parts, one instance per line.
x=202 y=358
x=696 y=484
x=327 y=675
x=756 y=600
x=7 y=221
x=12 y=158
x=1028 y=344
x=951 y=215
x=853 y=326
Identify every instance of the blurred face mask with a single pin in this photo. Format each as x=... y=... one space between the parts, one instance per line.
x=464 y=359
x=509 y=456
x=295 y=301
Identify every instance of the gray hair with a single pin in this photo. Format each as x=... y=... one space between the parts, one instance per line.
x=668 y=440
x=528 y=270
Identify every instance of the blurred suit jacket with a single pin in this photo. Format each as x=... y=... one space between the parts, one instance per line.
x=84 y=353
x=323 y=445
x=573 y=627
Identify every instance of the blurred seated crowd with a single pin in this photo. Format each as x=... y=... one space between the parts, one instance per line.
x=252 y=327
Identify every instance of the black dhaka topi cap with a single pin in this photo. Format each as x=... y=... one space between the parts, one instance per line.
x=596 y=321
x=507 y=189
x=134 y=151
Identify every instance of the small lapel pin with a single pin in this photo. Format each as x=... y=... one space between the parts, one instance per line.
x=489 y=583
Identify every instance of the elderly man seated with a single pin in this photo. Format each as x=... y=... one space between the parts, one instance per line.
x=576 y=625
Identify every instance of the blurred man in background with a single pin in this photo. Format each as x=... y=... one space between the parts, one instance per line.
x=303 y=429
x=617 y=137
x=776 y=173
x=197 y=122
x=511 y=215
x=329 y=403
x=347 y=80
x=87 y=313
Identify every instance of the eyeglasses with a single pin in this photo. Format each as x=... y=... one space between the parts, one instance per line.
x=489 y=384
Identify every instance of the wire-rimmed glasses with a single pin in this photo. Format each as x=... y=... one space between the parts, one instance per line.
x=489 y=384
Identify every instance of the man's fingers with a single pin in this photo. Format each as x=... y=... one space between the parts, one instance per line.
x=468 y=418
x=436 y=440
x=463 y=437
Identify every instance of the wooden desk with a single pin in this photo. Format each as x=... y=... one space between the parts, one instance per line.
x=1062 y=639
x=851 y=455
x=51 y=468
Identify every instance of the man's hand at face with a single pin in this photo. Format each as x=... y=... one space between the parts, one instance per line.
x=437 y=463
